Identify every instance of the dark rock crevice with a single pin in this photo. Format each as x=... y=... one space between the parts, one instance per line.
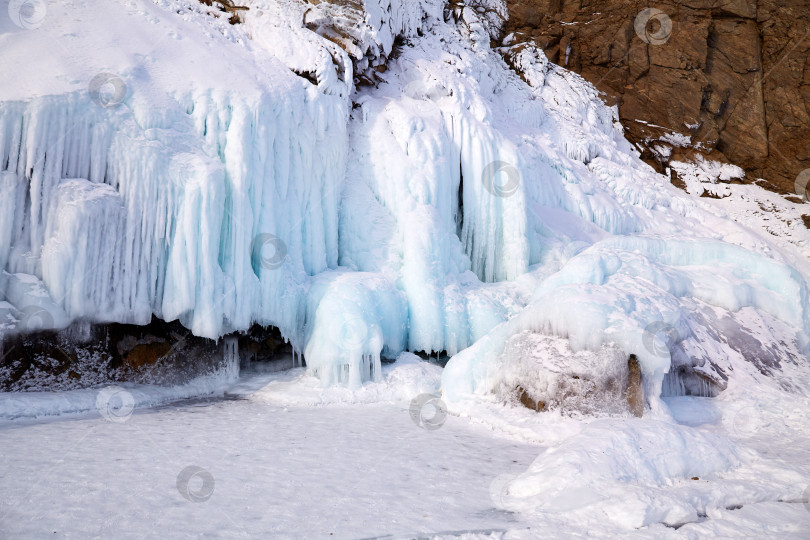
x=86 y=355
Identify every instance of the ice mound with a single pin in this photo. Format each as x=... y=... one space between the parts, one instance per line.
x=625 y=290
x=398 y=382
x=353 y=315
x=636 y=475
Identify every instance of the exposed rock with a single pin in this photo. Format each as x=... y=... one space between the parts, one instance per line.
x=529 y=402
x=51 y=361
x=741 y=334
x=370 y=41
x=635 y=387
x=233 y=11
x=86 y=355
x=146 y=354
x=545 y=374
x=262 y=344
x=732 y=75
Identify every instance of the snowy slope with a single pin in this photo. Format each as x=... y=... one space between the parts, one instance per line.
x=238 y=177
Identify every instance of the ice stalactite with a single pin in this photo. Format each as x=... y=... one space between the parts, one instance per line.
x=82 y=248
x=215 y=205
x=121 y=221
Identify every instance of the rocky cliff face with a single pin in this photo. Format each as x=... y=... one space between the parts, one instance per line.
x=731 y=75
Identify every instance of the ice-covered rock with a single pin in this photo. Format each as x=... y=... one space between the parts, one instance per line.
x=545 y=371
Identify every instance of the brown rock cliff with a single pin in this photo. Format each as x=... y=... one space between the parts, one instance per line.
x=733 y=75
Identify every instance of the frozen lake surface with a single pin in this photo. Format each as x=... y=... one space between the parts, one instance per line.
x=277 y=456
x=345 y=471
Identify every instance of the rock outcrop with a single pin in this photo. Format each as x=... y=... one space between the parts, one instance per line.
x=86 y=355
x=635 y=387
x=732 y=76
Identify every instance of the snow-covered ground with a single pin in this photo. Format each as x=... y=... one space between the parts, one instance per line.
x=273 y=455
x=278 y=472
